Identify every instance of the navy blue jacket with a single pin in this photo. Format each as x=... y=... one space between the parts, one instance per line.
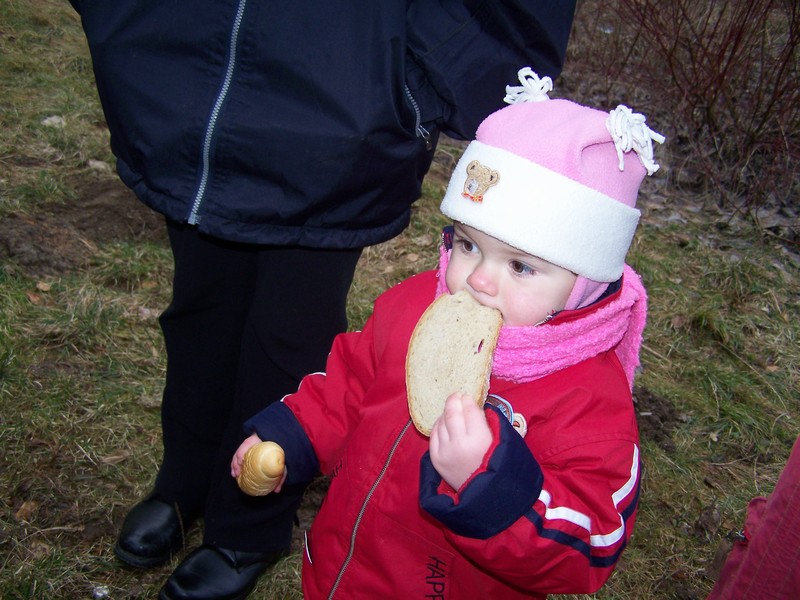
x=306 y=123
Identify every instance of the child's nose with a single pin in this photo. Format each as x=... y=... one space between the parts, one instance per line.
x=482 y=279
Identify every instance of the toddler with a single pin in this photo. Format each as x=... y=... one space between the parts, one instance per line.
x=543 y=209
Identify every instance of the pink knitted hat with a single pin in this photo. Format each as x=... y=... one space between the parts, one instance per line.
x=556 y=180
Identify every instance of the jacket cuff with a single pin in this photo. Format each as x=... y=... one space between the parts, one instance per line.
x=277 y=423
x=491 y=500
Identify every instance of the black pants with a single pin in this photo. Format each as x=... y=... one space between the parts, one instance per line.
x=245 y=324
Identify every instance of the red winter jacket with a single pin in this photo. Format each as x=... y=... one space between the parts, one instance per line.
x=550 y=513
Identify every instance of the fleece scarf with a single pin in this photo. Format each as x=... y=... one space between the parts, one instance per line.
x=525 y=354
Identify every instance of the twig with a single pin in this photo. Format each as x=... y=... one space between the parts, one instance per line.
x=655 y=353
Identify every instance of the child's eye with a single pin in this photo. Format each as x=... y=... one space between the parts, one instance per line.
x=520 y=268
x=465 y=245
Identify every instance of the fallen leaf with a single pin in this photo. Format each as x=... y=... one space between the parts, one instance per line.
x=678 y=321
x=54 y=121
x=25 y=512
x=424 y=240
x=100 y=165
x=147 y=313
x=150 y=401
x=35 y=298
x=40 y=550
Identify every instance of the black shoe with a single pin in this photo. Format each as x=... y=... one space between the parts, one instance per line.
x=211 y=573
x=152 y=532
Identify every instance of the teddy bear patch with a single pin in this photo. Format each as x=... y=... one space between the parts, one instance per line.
x=479 y=179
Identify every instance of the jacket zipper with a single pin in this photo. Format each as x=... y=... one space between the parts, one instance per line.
x=421 y=131
x=363 y=509
x=194 y=217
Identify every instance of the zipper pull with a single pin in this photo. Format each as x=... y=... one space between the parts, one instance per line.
x=425 y=135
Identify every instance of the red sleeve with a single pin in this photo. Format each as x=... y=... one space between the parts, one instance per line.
x=328 y=404
x=569 y=538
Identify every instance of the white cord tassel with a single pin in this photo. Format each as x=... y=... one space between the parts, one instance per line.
x=532 y=89
x=629 y=132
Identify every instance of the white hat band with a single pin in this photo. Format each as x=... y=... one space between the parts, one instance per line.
x=541 y=212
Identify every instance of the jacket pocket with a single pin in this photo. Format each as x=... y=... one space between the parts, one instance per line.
x=421 y=131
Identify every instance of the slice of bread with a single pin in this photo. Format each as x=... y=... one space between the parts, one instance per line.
x=450 y=351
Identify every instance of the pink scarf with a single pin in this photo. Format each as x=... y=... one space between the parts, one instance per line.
x=527 y=353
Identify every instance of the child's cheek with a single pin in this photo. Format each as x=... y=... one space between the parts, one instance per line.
x=454 y=275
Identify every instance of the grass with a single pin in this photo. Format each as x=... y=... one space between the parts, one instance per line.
x=49 y=114
x=82 y=359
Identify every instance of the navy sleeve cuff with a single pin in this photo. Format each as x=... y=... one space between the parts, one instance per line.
x=492 y=500
x=278 y=424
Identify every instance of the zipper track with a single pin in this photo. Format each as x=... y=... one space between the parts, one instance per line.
x=361 y=512
x=421 y=131
x=211 y=127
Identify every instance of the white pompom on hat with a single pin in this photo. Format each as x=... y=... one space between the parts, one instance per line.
x=555 y=179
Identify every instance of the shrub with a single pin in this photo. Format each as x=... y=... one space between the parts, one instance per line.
x=723 y=79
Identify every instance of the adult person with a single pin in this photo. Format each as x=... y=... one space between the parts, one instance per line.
x=278 y=140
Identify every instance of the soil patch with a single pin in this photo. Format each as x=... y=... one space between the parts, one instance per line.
x=63 y=237
x=656 y=416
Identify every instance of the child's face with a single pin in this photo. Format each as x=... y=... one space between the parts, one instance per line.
x=524 y=288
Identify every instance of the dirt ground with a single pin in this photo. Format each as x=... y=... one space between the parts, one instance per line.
x=63 y=238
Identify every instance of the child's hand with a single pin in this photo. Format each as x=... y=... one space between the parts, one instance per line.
x=459 y=439
x=236 y=463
